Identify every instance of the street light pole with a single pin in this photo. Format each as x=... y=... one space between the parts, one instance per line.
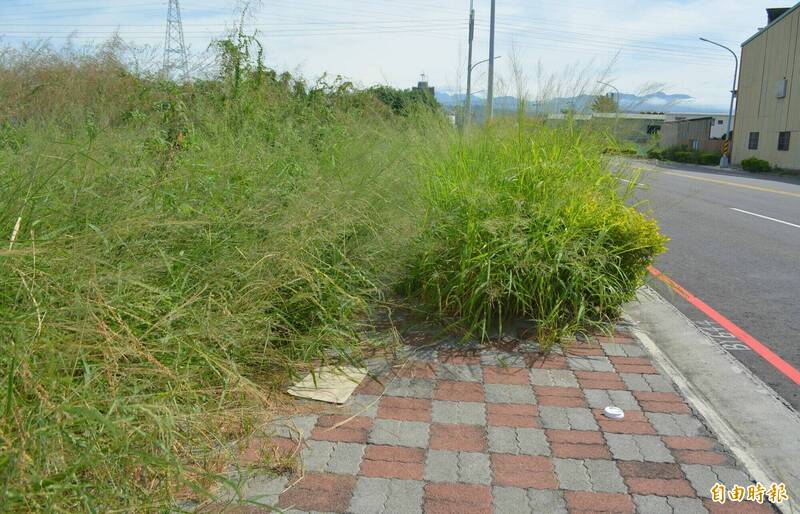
x=616 y=106
x=725 y=162
x=468 y=114
x=612 y=87
x=490 y=88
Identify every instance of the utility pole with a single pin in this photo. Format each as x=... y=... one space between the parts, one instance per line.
x=490 y=88
x=725 y=162
x=468 y=114
x=175 y=56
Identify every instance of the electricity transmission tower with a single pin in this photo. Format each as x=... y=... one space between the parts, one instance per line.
x=175 y=57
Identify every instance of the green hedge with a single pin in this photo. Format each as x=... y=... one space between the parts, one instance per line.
x=755 y=165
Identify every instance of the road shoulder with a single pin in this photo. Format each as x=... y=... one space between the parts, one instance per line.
x=747 y=416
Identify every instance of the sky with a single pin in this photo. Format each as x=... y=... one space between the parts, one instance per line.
x=632 y=44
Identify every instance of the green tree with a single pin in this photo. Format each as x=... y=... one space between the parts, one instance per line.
x=604 y=104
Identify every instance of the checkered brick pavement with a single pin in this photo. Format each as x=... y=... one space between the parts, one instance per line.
x=486 y=430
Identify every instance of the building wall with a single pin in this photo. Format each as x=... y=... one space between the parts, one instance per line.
x=686 y=132
x=718 y=128
x=766 y=59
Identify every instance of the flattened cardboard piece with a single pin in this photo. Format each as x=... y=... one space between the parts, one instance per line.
x=329 y=384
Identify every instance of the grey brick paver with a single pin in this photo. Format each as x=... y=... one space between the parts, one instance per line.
x=363 y=405
x=636 y=382
x=553 y=377
x=659 y=384
x=668 y=505
x=441 y=466
x=386 y=496
x=263 y=489
x=567 y=418
x=589 y=475
x=460 y=372
x=675 y=424
x=519 y=441
x=513 y=500
x=295 y=426
x=329 y=457
x=474 y=468
x=409 y=388
x=638 y=447
x=589 y=363
x=605 y=476
x=572 y=475
x=601 y=398
x=392 y=432
x=623 y=350
x=464 y=413
x=506 y=393
x=503 y=359
x=464 y=467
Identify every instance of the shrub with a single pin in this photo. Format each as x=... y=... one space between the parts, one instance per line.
x=684 y=156
x=533 y=227
x=755 y=165
x=655 y=153
x=709 y=158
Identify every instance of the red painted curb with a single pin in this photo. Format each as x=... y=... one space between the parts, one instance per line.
x=757 y=346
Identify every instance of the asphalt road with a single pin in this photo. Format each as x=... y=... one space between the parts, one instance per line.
x=735 y=244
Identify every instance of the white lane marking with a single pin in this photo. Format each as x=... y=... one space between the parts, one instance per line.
x=765 y=217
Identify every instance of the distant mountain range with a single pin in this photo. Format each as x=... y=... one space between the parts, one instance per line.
x=656 y=102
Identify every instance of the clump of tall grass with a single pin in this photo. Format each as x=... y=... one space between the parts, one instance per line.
x=531 y=223
x=181 y=251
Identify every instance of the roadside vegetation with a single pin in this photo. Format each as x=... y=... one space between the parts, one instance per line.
x=177 y=252
x=685 y=155
x=756 y=165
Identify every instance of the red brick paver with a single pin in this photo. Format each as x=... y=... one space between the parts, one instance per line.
x=549 y=362
x=414 y=369
x=457 y=498
x=577 y=444
x=500 y=375
x=393 y=462
x=688 y=443
x=512 y=415
x=634 y=423
x=320 y=492
x=342 y=428
x=599 y=502
x=454 y=391
x=523 y=471
x=660 y=486
x=701 y=457
x=600 y=380
x=663 y=470
x=459 y=438
x=404 y=409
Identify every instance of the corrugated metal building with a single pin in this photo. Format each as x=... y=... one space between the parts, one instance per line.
x=767 y=123
x=694 y=134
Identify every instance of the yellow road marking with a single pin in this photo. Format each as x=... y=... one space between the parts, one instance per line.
x=734 y=184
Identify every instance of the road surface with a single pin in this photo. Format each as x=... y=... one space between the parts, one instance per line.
x=735 y=246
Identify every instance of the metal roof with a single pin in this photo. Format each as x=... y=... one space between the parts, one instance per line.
x=778 y=19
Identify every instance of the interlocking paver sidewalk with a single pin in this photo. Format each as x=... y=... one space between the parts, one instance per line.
x=505 y=431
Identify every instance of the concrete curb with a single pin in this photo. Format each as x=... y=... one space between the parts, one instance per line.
x=747 y=416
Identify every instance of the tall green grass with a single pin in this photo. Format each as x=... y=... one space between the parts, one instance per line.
x=183 y=250
x=530 y=223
